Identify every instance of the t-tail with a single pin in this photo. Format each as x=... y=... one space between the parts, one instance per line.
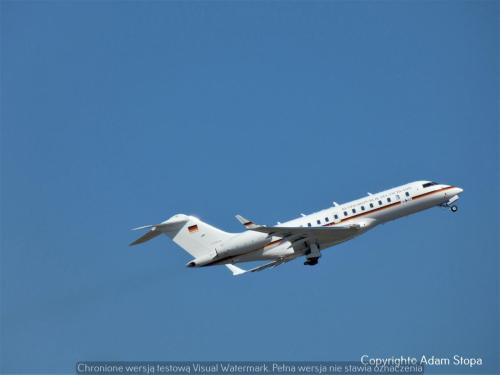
x=196 y=237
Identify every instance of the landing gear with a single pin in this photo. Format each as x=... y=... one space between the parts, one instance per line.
x=311 y=262
x=450 y=203
x=312 y=255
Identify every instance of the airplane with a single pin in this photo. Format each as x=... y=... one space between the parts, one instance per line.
x=305 y=236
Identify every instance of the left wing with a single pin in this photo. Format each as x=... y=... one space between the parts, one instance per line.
x=327 y=233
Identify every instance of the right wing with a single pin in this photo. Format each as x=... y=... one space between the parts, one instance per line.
x=239 y=271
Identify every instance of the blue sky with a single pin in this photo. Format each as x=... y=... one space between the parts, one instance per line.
x=119 y=114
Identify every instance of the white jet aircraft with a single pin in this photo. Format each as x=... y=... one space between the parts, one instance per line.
x=306 y=235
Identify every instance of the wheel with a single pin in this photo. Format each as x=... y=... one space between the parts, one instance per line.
x=311 y=262
x=454 y=208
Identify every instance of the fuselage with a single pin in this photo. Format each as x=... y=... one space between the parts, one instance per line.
x=366 y=212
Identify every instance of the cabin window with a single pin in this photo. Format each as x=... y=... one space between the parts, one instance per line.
x=371 y=205
x=336 y=216
x=326 y=219
x=380 y=203
x=308 y=224
x=318 y=221
x=362 y=208
x=388 y=200
x=345 y=213
x=407 y=194
x=353 y=210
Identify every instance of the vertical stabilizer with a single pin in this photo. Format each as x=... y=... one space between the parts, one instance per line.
x=190 y=233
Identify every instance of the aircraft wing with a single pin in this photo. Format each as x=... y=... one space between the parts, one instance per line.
x=239 y=271
x=322 y=234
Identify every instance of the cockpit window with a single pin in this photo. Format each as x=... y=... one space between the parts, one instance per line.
x=427 y=184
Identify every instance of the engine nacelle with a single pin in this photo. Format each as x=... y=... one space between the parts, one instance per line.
x=243 y=243
x=281 y=250
x=203 y=260
x=237 y=245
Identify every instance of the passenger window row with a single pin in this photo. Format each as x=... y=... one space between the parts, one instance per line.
x=336 y=216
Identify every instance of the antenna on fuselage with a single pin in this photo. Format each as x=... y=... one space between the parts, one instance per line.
x=369 y=193
x=335 y=204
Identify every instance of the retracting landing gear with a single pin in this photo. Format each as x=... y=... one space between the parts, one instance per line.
x=450 y=205
x=311 y=262
x=312 y=255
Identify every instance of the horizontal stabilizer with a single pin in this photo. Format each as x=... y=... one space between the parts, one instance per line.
x=156 y=230
x=145 y=226
x=148 y=236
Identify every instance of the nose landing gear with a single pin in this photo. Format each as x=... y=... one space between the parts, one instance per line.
x=450 y=204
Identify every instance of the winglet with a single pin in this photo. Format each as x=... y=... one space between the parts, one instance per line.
x=246 y=223
x=235 y=270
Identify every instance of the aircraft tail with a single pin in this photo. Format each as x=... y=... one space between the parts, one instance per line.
x=193 y=235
